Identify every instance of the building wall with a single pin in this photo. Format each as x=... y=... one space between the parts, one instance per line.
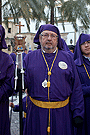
x=10 y=32
x=9 y=37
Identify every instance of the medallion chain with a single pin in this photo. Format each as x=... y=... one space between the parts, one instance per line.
x=48 y=84
x=86 y=71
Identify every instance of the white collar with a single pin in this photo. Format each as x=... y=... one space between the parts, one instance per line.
x=87 y=57
x=53 y=52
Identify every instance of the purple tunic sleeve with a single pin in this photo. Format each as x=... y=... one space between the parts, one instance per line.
x=86 y=90
x=76 y=100
x=85 y=81
x=6 y=76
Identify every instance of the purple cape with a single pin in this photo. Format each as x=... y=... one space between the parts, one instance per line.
x=2 y=34
x=77 y=51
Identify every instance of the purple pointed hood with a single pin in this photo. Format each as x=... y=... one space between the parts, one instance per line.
x=77 y=51
x=2 y=34
x=49 y=27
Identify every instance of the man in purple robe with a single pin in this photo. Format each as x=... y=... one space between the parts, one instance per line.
x=6 y=87
x=82 y=61
x=56 y=98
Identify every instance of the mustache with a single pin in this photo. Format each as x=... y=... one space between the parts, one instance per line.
x=49 y=42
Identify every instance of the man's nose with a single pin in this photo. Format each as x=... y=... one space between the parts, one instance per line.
x=86 y=43
x=49 y=37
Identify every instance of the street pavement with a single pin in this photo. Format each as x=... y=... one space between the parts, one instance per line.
x=14 y=116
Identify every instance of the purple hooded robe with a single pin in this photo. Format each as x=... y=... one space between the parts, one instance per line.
x=64 y=83
x=85 y=81
x=13 y=55
x=6 y=84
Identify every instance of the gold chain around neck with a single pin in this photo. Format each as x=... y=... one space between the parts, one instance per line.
x=48 y=84
x=86 y=71
x=52 y=62
x=49 y=71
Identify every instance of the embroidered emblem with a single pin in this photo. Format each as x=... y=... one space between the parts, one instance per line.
x=62 y=65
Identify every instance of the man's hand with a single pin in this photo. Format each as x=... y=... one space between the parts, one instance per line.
x=11 y=105
x=78 y=121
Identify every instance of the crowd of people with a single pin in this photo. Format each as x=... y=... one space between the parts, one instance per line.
x=57 y=82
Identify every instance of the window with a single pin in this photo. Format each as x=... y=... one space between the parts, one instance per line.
x=9 y=48
x=9 y=30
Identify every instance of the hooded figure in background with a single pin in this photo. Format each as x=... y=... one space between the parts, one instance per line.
x=6 y=84
x=56 y=98
x=13 y=55
x=82 y=61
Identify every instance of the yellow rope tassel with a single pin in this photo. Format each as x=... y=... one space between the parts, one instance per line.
x=48 y=128
x=26 y=108
x=24 y=115
x=48 y=84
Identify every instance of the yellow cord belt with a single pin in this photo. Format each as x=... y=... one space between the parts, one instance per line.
x=50 y=105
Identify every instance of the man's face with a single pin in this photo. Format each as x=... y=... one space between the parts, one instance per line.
x=85 y=48
x=48 y=41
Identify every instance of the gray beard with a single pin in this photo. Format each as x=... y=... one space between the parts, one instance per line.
x=48 y=48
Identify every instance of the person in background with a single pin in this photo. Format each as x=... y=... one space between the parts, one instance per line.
x=56 y=99
x=71 y=48
x=82 y=61
x=25 y=101
x=13 y=55
x=24 y=53
x=29 y=51
x=6 y=84
x=66 y=48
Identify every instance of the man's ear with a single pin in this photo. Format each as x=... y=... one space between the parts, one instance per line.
x=40 y=38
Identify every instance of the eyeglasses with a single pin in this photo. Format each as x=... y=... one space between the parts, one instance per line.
x=87 y=42
x=51 y=35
